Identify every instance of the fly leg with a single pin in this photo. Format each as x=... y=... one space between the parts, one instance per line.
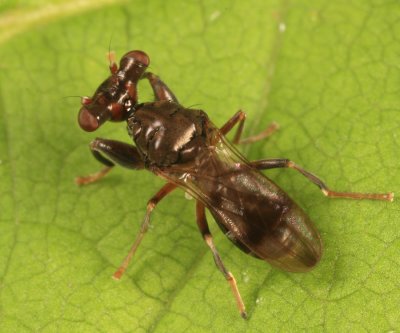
x=151 y=204
x=160 y=89
x=117 y=153
x=285 y=163
x=240 y=118
x=203 y=226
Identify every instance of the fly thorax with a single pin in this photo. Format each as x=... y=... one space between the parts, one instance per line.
x=166 y=133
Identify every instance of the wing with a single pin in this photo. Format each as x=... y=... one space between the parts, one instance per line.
x=251 y=210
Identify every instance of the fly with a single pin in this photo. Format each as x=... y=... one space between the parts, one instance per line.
x=185 y=148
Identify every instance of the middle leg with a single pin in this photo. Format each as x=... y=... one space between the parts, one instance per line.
x=203 y=226
x=240 y=118
x=151 y=204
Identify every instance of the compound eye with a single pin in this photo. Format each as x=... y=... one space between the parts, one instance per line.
x=138 y=57
x=87 y=121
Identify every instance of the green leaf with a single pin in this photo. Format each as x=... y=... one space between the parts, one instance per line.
x=327 y=72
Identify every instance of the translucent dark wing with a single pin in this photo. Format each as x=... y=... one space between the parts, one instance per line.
x=252 y=211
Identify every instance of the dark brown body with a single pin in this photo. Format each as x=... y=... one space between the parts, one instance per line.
x=184 y=147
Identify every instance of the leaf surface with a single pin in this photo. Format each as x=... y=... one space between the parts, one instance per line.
x=328 y=73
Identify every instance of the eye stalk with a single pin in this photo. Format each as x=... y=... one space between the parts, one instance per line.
x=115 y=97
x=117 y=112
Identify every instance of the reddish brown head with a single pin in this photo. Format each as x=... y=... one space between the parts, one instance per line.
x=115 y=97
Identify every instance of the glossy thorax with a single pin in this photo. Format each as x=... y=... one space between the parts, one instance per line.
x=166 y=133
